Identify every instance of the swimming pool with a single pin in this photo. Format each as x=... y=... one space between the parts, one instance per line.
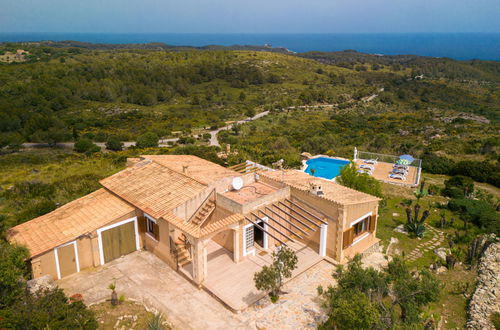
x=325 y=167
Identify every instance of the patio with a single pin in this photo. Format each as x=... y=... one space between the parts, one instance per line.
x=233 y=284
x=382 y=170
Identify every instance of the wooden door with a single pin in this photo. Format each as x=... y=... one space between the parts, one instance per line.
x=118 y=241
x=67 y=260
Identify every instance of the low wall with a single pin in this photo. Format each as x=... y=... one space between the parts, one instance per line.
x=486 y=297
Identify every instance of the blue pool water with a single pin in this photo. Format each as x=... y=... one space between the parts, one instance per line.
x=324 y=167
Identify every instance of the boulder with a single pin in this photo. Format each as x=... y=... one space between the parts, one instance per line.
x=41 y=283
x=401 y=229
x=442 y=253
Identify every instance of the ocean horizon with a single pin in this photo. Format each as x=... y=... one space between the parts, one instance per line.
x=460 y=46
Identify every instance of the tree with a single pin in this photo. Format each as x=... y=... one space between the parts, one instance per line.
x=270 y=278
x=47 y=309
x=458 y=186
x=411 y=292
x=351 y=310
x=350 y=177
x=147 y=140
x=114 y=143
x=85 y=145
x=368 y=298
x=242 y=96
x=12 y=273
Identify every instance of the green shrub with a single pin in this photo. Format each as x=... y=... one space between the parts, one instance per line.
x=114 y=143
x=479 y=212
x=85 y=145
x=147 y=140
x=48 y=309
x=30 y=189
x=432 y=163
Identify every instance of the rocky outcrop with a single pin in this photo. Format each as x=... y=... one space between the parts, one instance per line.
x=486 y=297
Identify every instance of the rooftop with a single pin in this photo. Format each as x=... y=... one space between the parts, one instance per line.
x=250 y=192
x=69 y=221
x=199 y=169
x=153 y=188
x=332 y=191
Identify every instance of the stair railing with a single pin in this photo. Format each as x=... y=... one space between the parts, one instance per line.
x=211 y=194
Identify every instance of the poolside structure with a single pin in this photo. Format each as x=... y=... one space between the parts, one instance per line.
x=384 y=165
x=216 y=226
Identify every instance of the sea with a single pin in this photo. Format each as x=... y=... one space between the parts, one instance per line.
x=460 y=46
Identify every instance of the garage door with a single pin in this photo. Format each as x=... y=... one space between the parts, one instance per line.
x=66 y=258
x=118 y=241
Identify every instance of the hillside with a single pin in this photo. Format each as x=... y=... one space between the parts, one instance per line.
x=333 y=101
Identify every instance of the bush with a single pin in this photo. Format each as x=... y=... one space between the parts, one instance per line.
x=350 y=177
x=114 y=143
x=435 y=164
x=48 y=309
x=85 y=145
x=147 y=140
x=479 y=171
x=458 y=186
x=30 y=189
x=479 y=212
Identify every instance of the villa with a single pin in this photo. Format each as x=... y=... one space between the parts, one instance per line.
x=216 y=226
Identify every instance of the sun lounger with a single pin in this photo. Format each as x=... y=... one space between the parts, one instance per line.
x=403 y=167
x=370 y=161
x=365 y=171
x=369 y=167
x=397 y=176
x=402 y=172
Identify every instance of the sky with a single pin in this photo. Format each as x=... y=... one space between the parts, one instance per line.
x=249 y=16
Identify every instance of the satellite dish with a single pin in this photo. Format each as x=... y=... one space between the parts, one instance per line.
x=237 y=183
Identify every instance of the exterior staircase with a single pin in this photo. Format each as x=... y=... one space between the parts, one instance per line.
x=182 y=246
x=203 y=212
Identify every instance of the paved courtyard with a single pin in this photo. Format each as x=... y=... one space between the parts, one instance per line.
x=142 y=276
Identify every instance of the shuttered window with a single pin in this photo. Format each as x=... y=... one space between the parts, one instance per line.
x=347 y=238
x=152 y=228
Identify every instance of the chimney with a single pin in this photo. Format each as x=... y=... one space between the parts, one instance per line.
x=185 y=169
x=316 y=189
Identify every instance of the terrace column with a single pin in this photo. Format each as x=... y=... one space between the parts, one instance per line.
x=236 y=244
x=199 y=262
x=323 y=239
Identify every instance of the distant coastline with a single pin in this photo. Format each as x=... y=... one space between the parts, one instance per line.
x=460 y=46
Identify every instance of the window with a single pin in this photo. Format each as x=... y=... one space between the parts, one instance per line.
x=249 y=238
x=361 y=226
x=152 y=227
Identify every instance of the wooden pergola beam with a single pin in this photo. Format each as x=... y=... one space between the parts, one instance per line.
x=286 y=220
x=238 y=165
x=280 y=224
x=290 y=215
x=297 y=212
x=265 y=231
x=306 y=211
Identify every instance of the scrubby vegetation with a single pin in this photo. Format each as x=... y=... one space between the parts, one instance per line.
x=440 y=110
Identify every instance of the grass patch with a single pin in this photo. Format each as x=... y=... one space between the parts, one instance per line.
x=126 y=315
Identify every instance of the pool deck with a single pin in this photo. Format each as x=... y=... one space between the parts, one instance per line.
x=382 y=171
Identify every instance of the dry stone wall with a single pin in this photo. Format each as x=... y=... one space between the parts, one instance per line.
x=486 y=297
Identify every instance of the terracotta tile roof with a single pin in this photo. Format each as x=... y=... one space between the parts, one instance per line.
x=68 y=222
x=332 y=191
x=153 y=188
x=197 y=232
x=199 y=169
